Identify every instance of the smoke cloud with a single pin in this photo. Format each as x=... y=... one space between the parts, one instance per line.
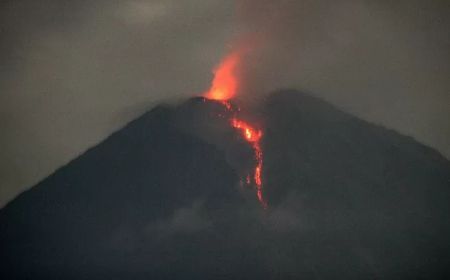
x=385 y=62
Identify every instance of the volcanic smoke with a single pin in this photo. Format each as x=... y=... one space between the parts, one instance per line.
x=223 y=88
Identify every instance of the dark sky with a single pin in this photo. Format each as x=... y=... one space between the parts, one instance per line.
x=74 y=71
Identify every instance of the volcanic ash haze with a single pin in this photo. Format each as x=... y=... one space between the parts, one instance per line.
x=204 y=189
x=172 y=195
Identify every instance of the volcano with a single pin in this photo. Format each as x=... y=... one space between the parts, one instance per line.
x=163 y=198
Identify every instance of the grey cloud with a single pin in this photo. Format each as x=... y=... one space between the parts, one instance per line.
x=290 y=215
x=283 y=220
x=383 y=61
x=183 y=221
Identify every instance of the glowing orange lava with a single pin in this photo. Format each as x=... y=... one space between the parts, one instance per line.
x=224 y=87
x=250 y=134
x=253 y=136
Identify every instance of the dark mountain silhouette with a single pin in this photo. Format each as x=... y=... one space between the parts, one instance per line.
x=161 y=199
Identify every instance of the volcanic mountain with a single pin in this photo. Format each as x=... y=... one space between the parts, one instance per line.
x=163 y=198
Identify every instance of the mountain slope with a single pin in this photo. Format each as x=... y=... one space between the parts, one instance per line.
x=161 y=199
x=382 y=196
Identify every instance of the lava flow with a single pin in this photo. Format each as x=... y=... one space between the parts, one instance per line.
x=223 y=88
x=253 y=136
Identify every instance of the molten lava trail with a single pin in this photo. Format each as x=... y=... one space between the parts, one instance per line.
x=223 y=88
x=252 y=136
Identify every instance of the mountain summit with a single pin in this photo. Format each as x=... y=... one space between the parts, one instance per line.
x=162 y=199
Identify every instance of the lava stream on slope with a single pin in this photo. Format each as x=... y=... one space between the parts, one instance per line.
x=223 y=88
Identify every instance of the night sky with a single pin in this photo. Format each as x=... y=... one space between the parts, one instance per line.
x=72 y=72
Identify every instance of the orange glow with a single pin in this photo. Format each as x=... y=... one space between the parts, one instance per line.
x=253 y=136
x=225 y=83
x=250 y=134
x=224 y=87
